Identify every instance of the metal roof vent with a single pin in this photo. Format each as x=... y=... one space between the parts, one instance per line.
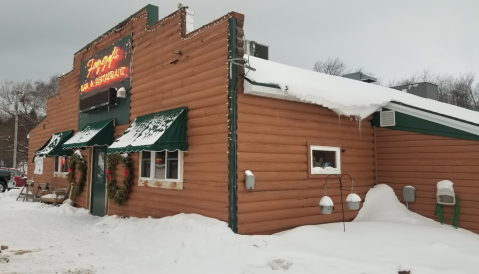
x=256 y=49
x=425 y=89
x=363 y=77
x=387 y=118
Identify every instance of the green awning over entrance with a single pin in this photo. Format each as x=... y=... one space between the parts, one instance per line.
x=94 y=134
x=164 y=130
x=53 y=147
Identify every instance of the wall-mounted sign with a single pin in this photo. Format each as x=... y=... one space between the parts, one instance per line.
x=106 y=68
x=38 y=165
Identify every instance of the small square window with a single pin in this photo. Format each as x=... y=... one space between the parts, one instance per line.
x=325 y=160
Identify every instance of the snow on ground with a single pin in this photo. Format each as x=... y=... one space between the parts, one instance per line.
x=384 y=238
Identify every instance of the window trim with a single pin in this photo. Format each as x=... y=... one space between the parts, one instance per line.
x=316 y=146
x=157 y=182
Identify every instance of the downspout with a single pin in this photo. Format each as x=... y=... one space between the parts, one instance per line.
x=232 y=128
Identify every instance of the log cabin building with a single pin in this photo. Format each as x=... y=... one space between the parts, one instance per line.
x=193 y=119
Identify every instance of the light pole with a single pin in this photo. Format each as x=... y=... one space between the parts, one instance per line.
x=15 y=137
x=16 y=134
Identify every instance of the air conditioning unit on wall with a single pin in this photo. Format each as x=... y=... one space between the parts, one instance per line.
x=387 y=118
x=98 y=101
x=256 y=49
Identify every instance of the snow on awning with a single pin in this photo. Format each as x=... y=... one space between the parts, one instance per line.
x=53 y=147
x=94 y=134
x=164 y=130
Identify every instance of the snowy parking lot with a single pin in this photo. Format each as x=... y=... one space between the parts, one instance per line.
x=384 y=238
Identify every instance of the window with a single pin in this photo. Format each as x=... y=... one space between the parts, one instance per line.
x=325 y=160
x=61 y=164
x=161 y=165
x=17 y=173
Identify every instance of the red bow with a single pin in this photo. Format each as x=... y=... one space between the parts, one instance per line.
x=109 y=177
x=69 y=170
x=125 y=172
x=108 y=171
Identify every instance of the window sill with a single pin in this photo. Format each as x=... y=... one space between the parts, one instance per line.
x=160 y=184
x=322 y=171
x=60 y=174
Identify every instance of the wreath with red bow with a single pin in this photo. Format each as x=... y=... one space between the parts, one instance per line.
x=119 y=195
x=76 y=160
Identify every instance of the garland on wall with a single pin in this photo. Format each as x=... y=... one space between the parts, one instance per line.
x=119 y=195
x=76 y=160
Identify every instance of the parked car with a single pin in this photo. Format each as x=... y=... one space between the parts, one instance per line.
x=7 y=180
x=20 y=177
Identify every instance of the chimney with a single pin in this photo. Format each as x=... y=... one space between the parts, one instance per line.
x=363 y=77
x=424 y=89
x=190 y=18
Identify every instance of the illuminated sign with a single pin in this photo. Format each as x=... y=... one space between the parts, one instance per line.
x=106 y=68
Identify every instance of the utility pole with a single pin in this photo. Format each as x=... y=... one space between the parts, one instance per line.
x=16 y=133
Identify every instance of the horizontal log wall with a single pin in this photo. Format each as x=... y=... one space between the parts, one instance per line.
x=161 y=80
x=197 y=79
x=420 y=160
x=61 y=116
x=273 y=137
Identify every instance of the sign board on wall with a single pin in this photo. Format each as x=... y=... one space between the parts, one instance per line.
x=100 y=75
x=38 y=165
x=106 y=68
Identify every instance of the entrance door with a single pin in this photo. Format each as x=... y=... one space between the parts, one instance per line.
x=98 y=182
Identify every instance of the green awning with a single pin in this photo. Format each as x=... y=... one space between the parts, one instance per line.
x=53 y=147
x=164 y=130
x=94 y=134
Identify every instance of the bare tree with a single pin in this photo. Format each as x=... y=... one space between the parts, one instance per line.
x=336 y=67
x=330 y=66
x=32 y=100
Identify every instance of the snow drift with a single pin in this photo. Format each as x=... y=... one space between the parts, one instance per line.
x=384 y=238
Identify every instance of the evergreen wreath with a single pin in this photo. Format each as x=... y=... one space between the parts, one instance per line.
x=119 y=195
x=76 y=160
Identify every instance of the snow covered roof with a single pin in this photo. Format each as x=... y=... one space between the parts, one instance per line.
x=342 y=95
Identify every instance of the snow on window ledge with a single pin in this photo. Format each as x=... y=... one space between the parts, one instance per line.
x=326 y=170
x=158 y=183
x=60 y=174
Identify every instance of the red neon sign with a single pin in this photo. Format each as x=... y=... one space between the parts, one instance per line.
x=104 y=70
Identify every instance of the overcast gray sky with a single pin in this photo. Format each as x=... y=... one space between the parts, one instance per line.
x=393 y=39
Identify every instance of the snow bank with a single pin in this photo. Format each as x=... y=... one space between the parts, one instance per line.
x=69 y=240
x=342 y=95
x=382 y=205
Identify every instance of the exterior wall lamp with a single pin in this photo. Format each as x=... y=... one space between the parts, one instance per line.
x=353 y=200
x=121 y=93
